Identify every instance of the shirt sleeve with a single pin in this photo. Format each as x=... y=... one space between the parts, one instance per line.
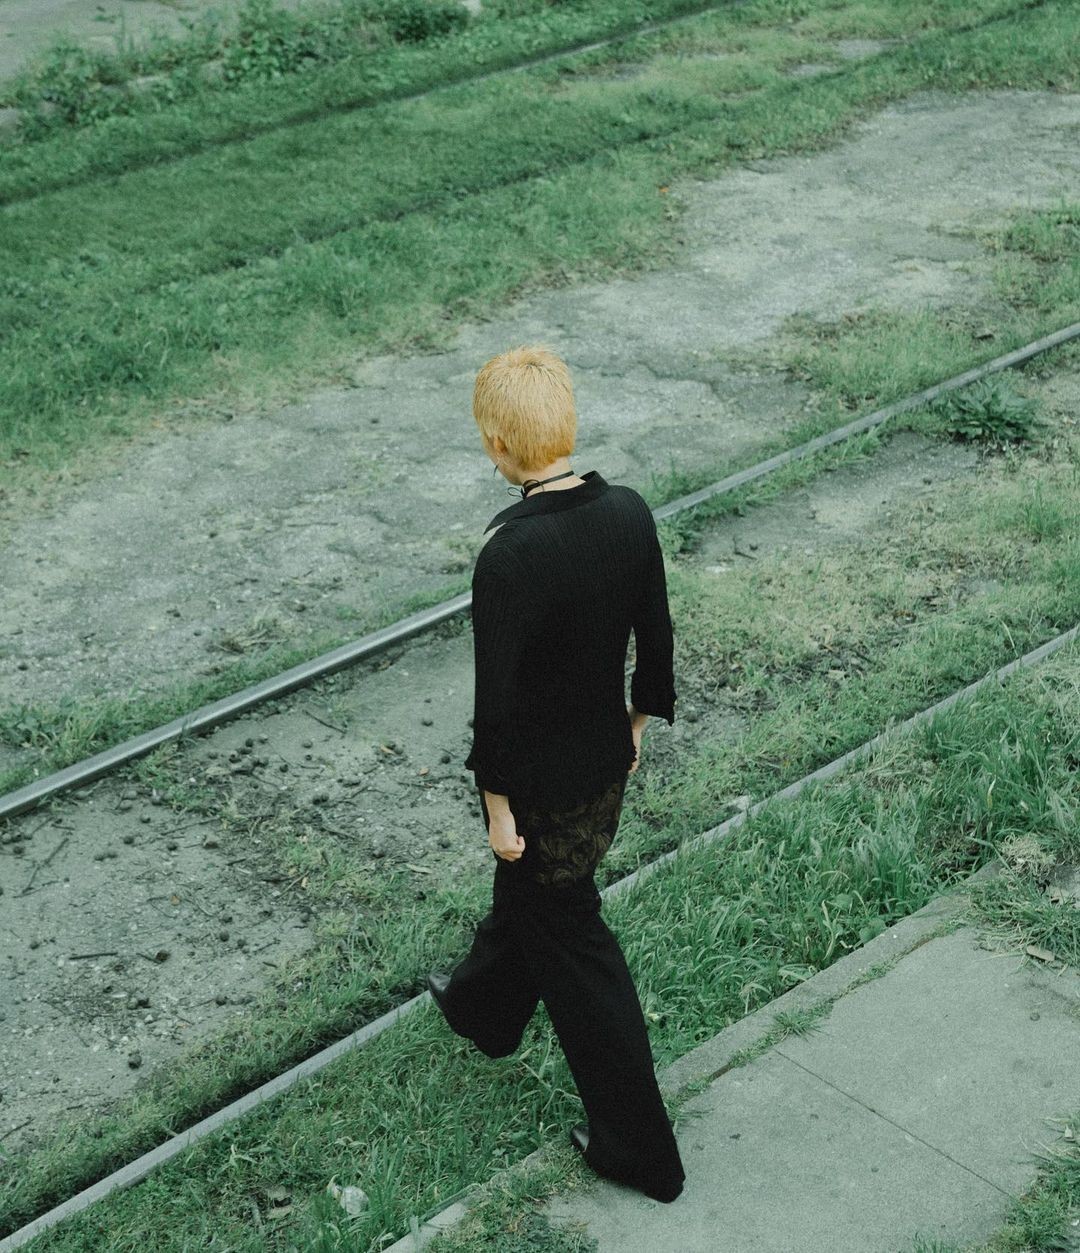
x=497 y=647
x=652 y=685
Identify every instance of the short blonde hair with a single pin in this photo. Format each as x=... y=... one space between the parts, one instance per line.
x=525 y=396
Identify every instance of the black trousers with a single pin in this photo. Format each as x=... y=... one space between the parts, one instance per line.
x=544 y=940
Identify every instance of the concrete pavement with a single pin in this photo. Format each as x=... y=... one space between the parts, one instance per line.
x=911 y=1109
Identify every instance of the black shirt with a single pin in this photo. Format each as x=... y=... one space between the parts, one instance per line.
x=556 y=592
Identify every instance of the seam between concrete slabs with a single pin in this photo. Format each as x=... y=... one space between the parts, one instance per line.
x=891 y=1121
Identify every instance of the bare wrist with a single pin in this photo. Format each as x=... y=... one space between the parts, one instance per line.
x=497 y=804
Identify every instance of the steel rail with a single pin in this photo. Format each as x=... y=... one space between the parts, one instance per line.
x=142 y=1166
x=206 y=716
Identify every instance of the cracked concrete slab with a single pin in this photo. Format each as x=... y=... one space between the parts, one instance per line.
x=180 y=546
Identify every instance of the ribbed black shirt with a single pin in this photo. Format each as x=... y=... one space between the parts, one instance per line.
x=556 y=592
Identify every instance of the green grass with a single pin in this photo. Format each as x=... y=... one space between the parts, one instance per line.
x=441 y=210
x=417 y=1115
x=816 y=653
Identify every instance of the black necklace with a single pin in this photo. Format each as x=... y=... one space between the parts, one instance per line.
x=529 y=484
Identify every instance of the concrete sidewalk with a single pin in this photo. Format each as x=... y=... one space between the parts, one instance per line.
x=911 y=1108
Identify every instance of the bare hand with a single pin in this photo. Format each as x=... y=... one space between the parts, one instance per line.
x=503 y=837
x=636 y=732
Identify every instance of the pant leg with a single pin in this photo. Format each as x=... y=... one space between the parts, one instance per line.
x=491 y=995
x=579 y=970
x=582 y=977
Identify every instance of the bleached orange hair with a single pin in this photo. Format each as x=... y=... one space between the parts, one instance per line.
x=525 y=396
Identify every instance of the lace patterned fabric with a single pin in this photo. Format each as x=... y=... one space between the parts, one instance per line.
x=564 y=846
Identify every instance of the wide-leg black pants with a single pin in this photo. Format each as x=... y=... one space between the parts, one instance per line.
x=544 y=940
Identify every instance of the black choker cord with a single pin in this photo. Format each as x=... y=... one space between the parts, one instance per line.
x=529 y=484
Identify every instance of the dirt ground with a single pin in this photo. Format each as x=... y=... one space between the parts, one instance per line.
x=126 y=933
x=264 y=526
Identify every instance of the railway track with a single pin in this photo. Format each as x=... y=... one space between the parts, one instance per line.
x=206 y=717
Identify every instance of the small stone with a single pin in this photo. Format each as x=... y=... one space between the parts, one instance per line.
x=160 y=956
x=264 y=739
x=123 y=806
x=210 y=842
x=444 y=758
x=35 y=943
x=444 y=841
x=283 y=767
x=306 y=744
x=427 y=722
x=134 y=1060
x=249 y=742
x=226 y=917
x=223 y=934
x=1034 y=1015
x=128 y=839
x=172 y=846
x=221 y=999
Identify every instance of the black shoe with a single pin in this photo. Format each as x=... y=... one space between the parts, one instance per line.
x=579 y=1137
x=437 y=985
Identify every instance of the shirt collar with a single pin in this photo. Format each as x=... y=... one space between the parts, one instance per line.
x=541 y=501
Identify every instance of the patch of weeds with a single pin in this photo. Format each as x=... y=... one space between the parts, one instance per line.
x=1041 y=516
x=69 y=87
x=1049 y=235
x=265 y=628
x=269 y=42
x=414 y=21
x=990 y=410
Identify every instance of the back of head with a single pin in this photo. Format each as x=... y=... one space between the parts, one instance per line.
x=525 y=396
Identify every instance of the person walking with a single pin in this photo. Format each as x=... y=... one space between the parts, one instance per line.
x=571 y=569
